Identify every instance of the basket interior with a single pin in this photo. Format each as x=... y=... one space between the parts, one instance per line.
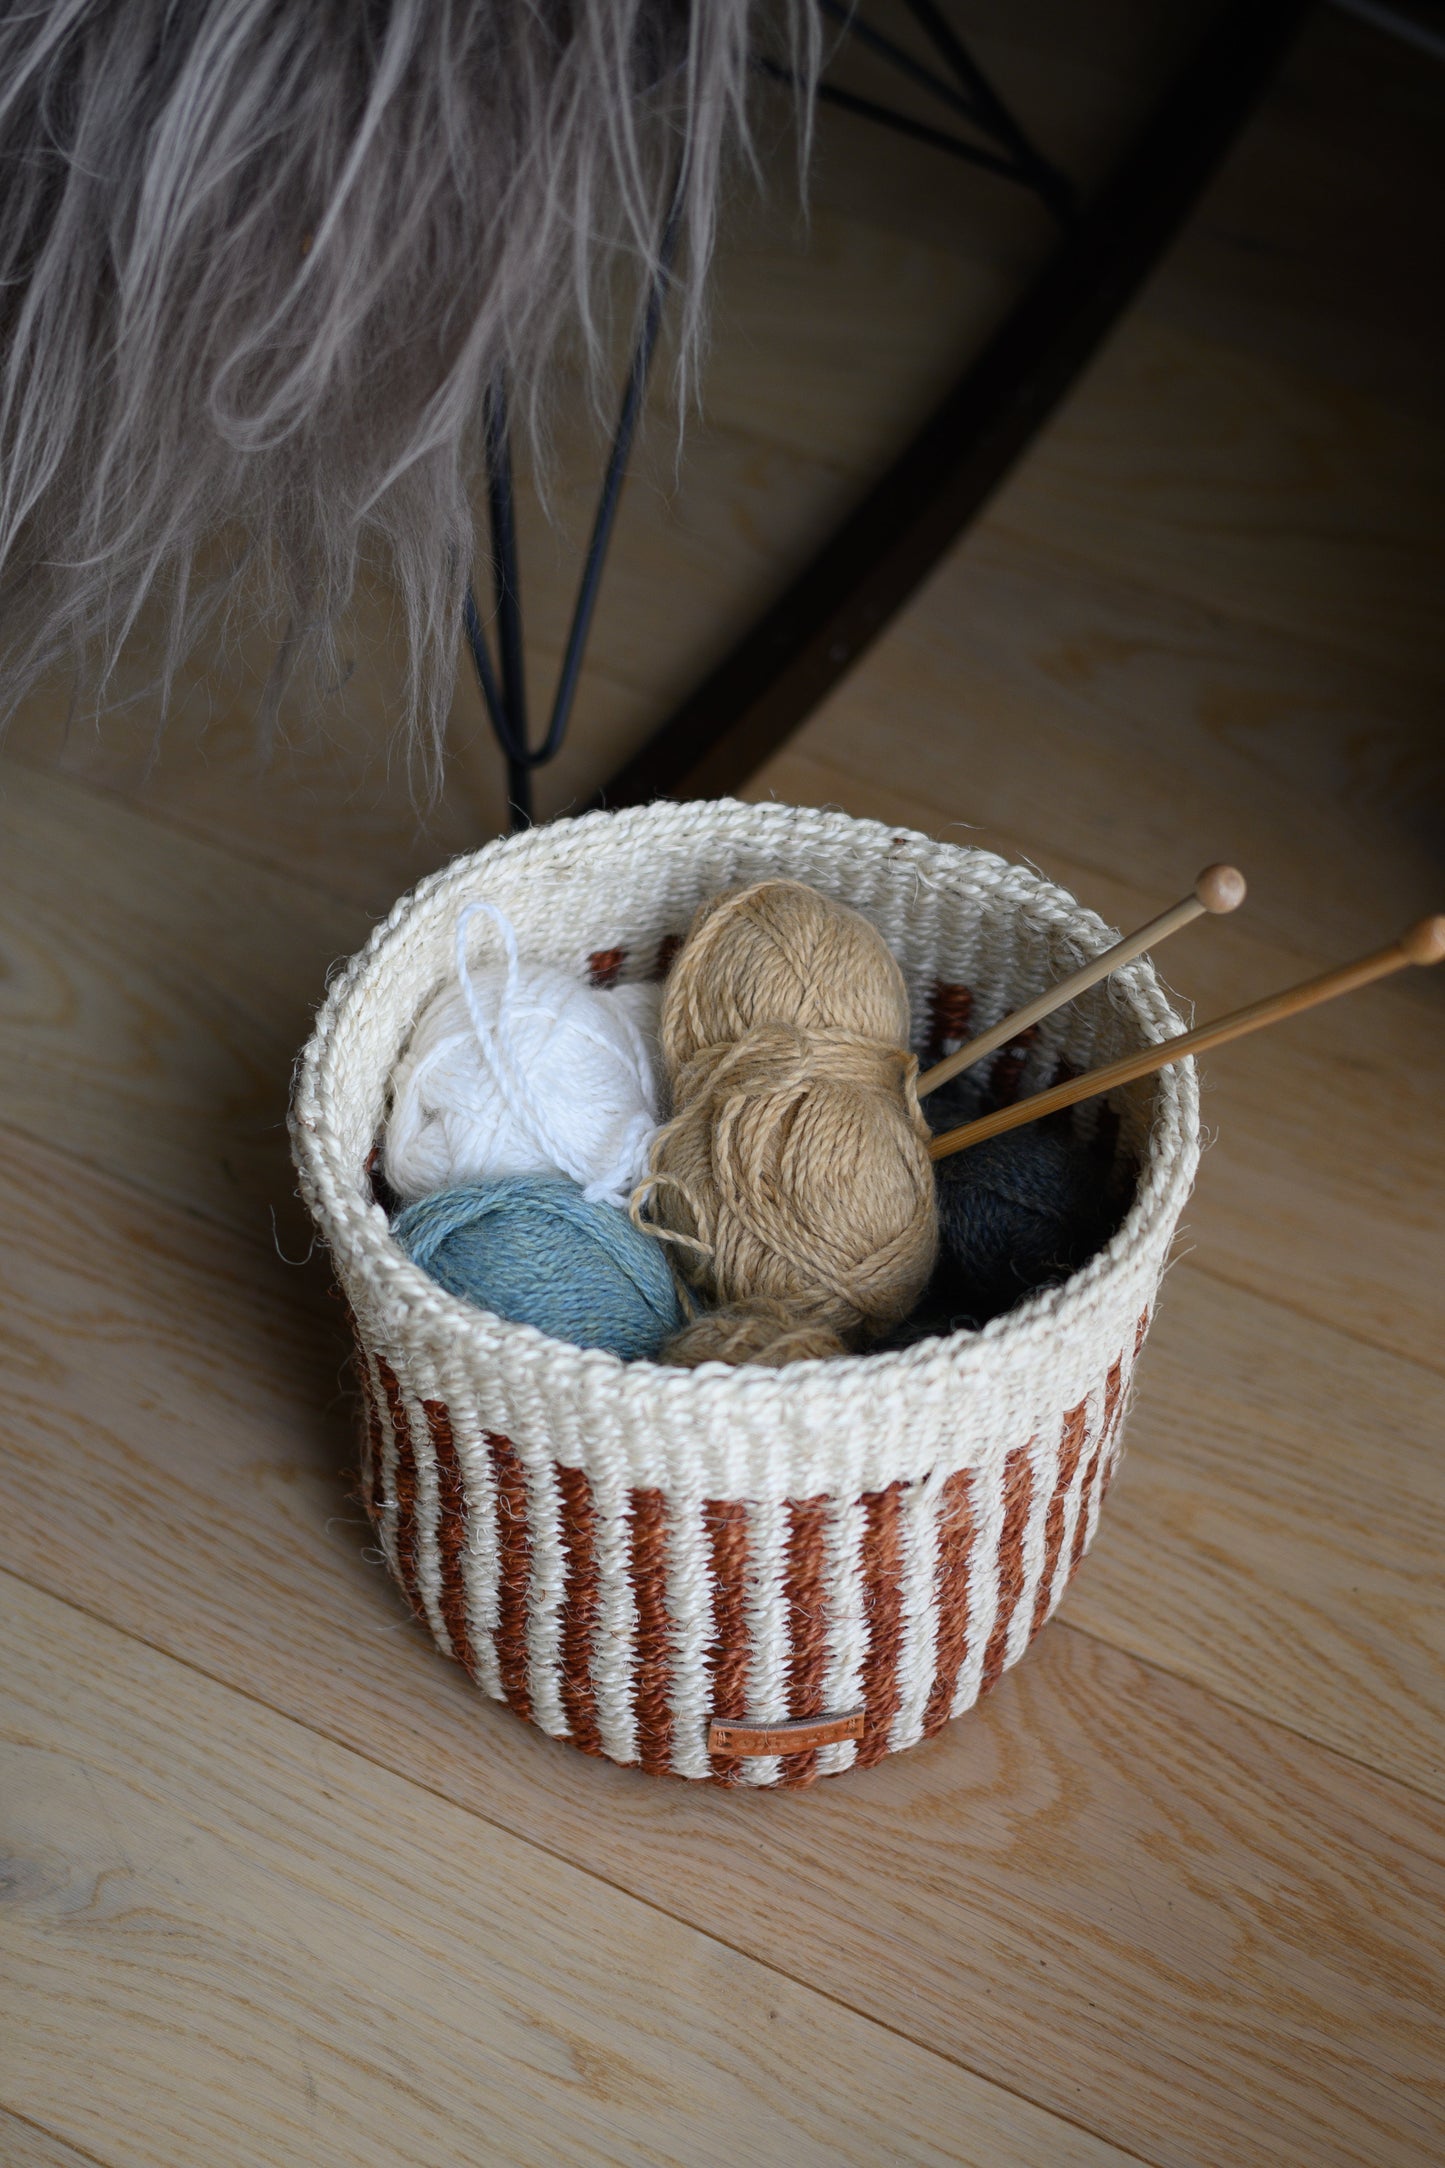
x=975 y=936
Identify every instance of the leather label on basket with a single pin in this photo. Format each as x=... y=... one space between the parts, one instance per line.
x=792 y=1737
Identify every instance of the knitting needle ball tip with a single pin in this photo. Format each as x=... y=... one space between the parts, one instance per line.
x=1221 y=888
x=1424 y=942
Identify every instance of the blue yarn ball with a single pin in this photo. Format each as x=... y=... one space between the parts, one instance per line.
x=535 y=1250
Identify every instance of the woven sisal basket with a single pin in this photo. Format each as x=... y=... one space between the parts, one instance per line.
x=665 y=1566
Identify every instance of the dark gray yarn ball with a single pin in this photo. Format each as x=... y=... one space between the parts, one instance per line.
x=1022 y=1211
x=1017 y=1213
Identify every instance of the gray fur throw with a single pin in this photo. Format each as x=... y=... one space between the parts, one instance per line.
x=260 y=260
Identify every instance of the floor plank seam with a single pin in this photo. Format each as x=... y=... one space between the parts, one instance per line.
x=1021 y=537
x=48 y=2130
x=1194 y=1262
x=202 y=838
x=264 y=1241
x=1249 y=1714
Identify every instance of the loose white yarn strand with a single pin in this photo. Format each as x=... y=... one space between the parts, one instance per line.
x=507 y=1072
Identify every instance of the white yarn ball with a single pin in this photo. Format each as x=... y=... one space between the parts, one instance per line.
x=525 y=1070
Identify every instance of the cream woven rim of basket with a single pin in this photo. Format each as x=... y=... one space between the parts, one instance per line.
x=339 y=1100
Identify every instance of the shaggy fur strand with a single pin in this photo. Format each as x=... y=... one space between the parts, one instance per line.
x=260 y=259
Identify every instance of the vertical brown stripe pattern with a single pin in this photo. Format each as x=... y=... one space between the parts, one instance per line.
x=405 y=1482
x=949 y=1010
x=956 y=1529
x=1071 y=1445
x=373 y=1472
x=579 y=1608
x=653 y=1657
x=1113 y=1388
x=726 y=1522
x=1008 y=1068
x=372 y=1495
x=1018 y=1492
x=805 y=1588
x=604 y=964
x=451 y=1531
x=881 y=1561
x=514 y=1573
x=667 y=949
x=1110 y=1443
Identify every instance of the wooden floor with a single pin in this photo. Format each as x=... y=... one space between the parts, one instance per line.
x=278 y=1886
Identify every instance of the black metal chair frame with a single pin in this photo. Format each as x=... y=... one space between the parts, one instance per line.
x=788 y=662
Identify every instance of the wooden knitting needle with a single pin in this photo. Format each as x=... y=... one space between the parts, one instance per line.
x=1422 y=943
x=1219 y=888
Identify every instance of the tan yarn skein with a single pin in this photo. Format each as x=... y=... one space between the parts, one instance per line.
x=757 y=1331
x=778 y=952
x=793 y=1180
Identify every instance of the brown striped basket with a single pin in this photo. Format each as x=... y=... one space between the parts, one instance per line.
x=749 y=1576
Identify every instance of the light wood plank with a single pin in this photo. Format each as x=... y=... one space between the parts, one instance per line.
x=230 y=1940
x=835 y=338
x=26 y=2145
x=1258 y=489
x=1104 y=1890
x=330 y=799
x=1050 y=707
x=1299 y=248
x=154 y=996
x=1277 y=1530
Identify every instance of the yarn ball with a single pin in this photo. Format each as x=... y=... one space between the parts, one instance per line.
x=778 y=952
x=1022 y=1211
x=795 y=1169
x=1016 y=1213
x=539 y=1252
x=514 y=1070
